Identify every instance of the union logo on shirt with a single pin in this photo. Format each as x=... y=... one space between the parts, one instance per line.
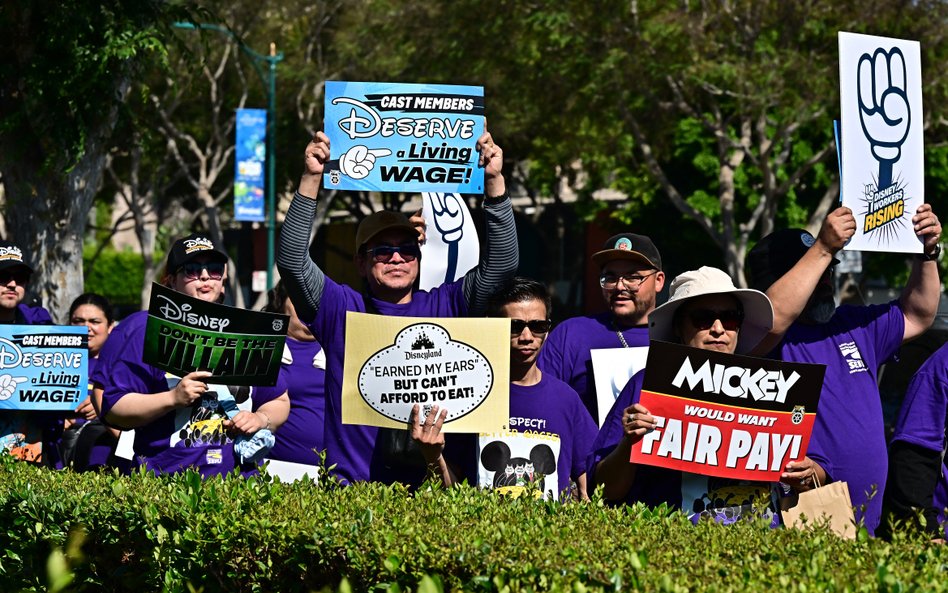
x=853 y=358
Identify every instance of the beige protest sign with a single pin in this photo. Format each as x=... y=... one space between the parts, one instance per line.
x=392 y=363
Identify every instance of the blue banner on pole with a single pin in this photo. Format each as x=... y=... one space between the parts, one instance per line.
x=404 y=137
x=251 y=154
x=43 y=367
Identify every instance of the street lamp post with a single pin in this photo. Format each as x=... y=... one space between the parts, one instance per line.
x=269 y=85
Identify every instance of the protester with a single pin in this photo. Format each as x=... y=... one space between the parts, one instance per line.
x=181 y=424
x=86 y=442
x=27 y=435
x=917 y=486
x=631 y=277
x=704 y=311
x=387 y=257
x=848 y=441
x=540 y=404
x=304 y=362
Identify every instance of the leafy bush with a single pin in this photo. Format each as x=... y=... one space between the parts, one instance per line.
x=117 y=275
x=100 y=532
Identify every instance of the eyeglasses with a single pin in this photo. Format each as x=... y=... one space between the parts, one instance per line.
x=633 y=281
x=702 y=319
x=537 y=326
x=383 y=253
x=21 y=277
x=192 y=270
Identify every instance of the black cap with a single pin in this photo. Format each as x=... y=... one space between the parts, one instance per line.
x=12 y=256
x=629 y=246
x=190 y=248
x=775 y=254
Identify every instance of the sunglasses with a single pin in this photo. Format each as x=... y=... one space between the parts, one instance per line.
x=21 y=277
x=537 y=326
x=383 y=253
x=192 y=271
x=702 y=319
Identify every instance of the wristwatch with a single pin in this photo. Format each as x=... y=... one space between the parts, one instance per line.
x=933 y=256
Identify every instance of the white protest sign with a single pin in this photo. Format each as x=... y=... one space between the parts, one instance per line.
x=612 y=369
x=882 y=147
x=451 y=245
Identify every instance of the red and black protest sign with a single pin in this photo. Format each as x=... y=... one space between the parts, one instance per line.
x=726 y=415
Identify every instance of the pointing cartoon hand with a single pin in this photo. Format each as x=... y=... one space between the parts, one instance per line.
x=883 y=107
x=448 y=216
x=8 y=385
x=358 y=161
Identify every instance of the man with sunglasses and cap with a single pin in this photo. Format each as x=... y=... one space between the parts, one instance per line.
x=705 y=310
x=630 y=276
x=28 y=436
x=180 y=423
x=549 y=434
x=795 y=268
x=387 y=258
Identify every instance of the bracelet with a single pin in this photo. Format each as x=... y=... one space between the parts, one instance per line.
x=264 y=414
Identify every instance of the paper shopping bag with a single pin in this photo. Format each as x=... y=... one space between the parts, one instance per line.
x=830 y=503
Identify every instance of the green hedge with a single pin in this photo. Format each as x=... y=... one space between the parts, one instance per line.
x=99 y=532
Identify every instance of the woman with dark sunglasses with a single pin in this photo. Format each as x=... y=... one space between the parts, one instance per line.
x=181 y=423
x=704 y=311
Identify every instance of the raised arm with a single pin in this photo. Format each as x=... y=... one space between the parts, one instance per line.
x=791 y=292
x=500 y=255
x=303 y=279
x=919 y=299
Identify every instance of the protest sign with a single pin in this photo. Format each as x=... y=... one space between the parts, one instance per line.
x=726 y=415
x=239 y=347
x=403 y=137
x=392 y=363
x=451 y=245
x=882 y=147
x=612 y=369
x=43 y=367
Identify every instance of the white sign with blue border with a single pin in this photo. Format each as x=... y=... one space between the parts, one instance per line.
x=404 y=137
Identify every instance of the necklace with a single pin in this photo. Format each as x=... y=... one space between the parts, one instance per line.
x=615 y=326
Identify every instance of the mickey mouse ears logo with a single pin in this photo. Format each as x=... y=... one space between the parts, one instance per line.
x=425 y=366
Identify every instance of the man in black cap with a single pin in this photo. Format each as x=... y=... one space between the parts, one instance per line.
x=15 y=276
x=795 y=269
x=387 y=257
x=631 y=277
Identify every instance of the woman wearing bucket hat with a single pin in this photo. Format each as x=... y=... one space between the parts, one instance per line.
x=705 y=310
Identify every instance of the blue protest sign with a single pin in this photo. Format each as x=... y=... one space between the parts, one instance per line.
x=251 y=154
x=404 y=137
x=43 y=367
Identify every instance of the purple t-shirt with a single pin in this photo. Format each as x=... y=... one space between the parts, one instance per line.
x=923 y=415
x=353 y=448
x=565 y=353
x=185 y=437
x=302 y=434
x=549 y=436
x=848 y=438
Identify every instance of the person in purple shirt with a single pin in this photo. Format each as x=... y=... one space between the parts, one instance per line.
x=304 y=363
x=549 y=435
x=631 y=277
x=916 y=483
x=705 y=310
x=387 y=258
x=182 y=423
x=29 y=436
x=795 y=268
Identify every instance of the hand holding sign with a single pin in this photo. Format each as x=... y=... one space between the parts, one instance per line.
x=884 y=107
x=426 y=431
x=637 y=422
x=838 y=228
x=492 y=159
x=190 y=388
x=359 y=161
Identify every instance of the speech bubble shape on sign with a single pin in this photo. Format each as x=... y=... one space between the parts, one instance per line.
x=425 y=366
